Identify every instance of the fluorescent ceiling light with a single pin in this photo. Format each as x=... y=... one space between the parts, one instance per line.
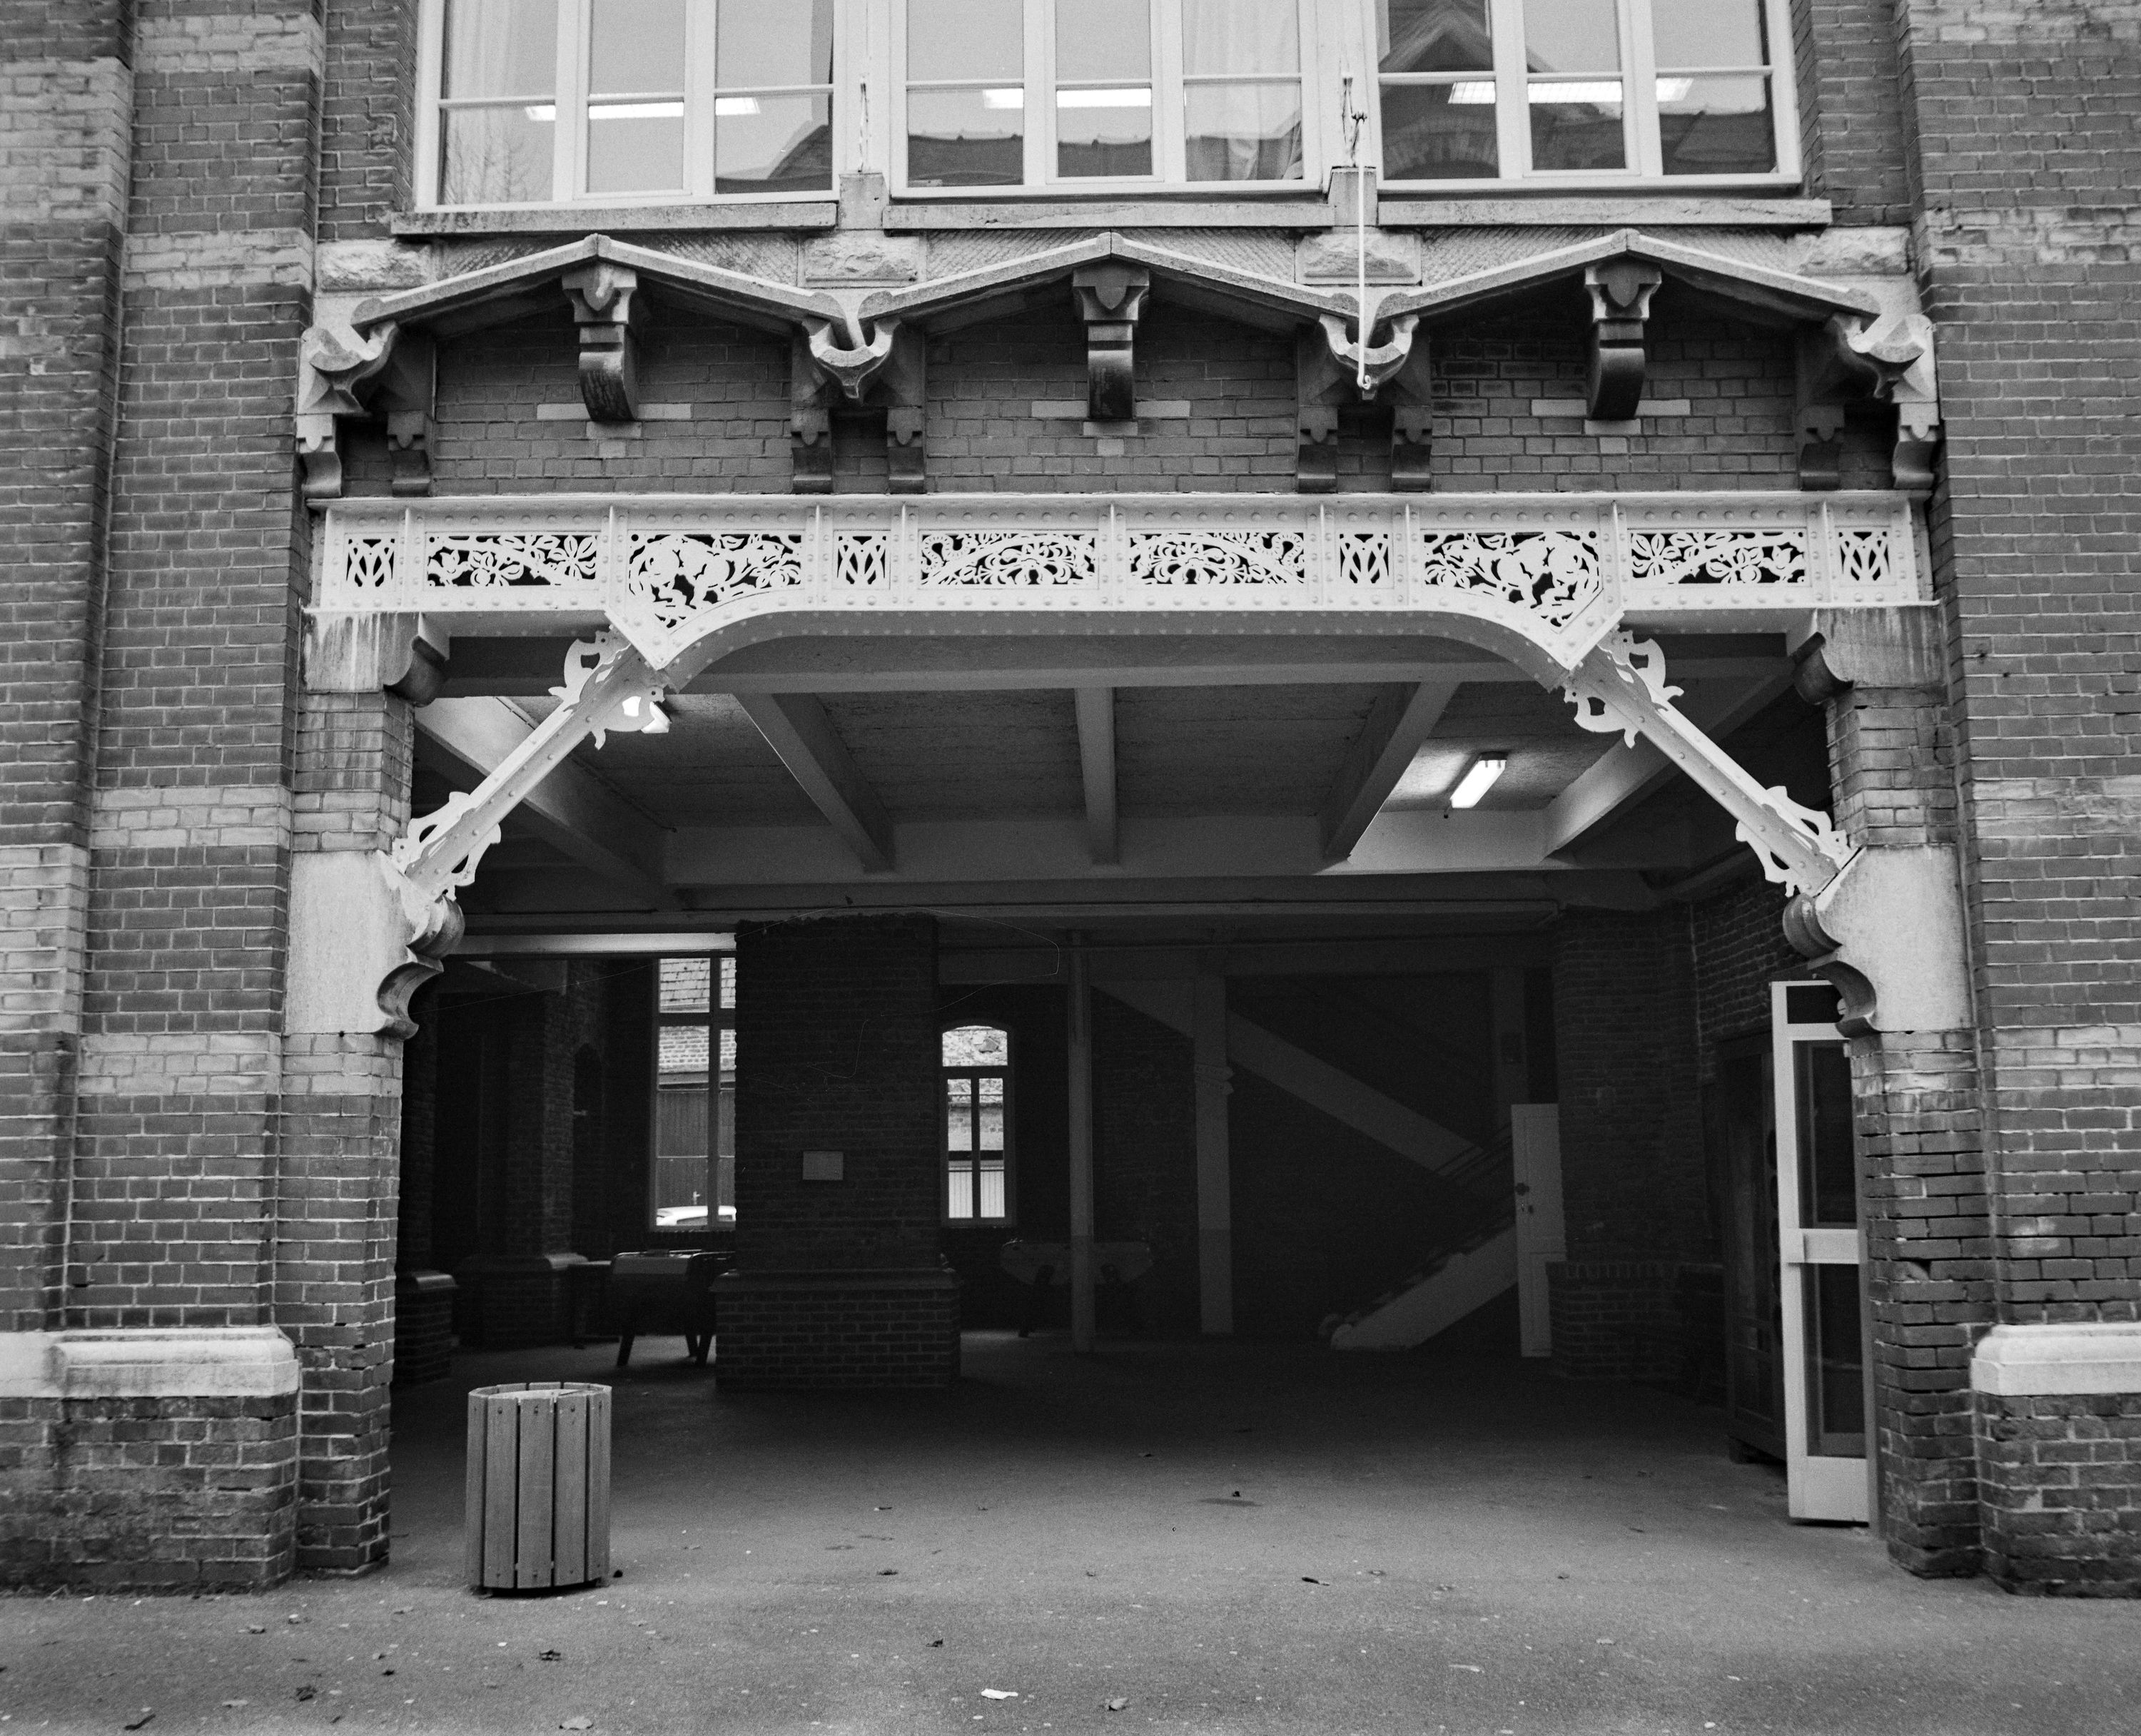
x=544 y=111
x=1140 y=98
x=737 y=105
x=635 y=110
x=1011 y=96
x=1675 y=90
x=1473 y=92
x=1584 y=90
x=1479 y=92
x=1478 y=778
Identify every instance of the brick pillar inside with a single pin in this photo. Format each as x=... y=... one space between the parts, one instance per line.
x=1632 y=1178
x=1921 y=1160
x=838 y=1278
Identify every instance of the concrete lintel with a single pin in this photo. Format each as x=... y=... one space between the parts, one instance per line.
x=2057 y=1359
x=156 y=1362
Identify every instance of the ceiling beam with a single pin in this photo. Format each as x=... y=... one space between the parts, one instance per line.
x=1096 y=764
x=572 y=810
x=796 y=727
x=1625 y=775
x=1401 y=718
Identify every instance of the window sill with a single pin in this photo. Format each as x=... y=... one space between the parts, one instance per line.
x=1636 y=208
x=1284 y=209
x=618 y=220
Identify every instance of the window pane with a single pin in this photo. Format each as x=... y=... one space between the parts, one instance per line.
x=1578 y=126
x=1106 y=131
x=954 y=39
x=635 y=48
x=758 y=44
x=683 y=1048
x=496 y=156
x=1836 y=1372
x=501 y=48
x=728 y=1052
x=993 y=1203
x=977 y=1045
x=1243 y=132
x=1103 y=41
x=958 y=1114
x=1434 y=36
x=1829 y=1180
x=635 y=147
x=966 y=138
x=684 y=984
x=773 y=144
x=992 y=1113
x=1251 y=37
x=1440 y=132
x=1716 y=125
x=1709 y=33
x=1572 y=36
x=961 y=1204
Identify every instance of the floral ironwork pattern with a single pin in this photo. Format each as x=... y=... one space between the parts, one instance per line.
x=1717 y=557
x=500 y=559
x=678 y=574
x=1219 y=558
x=1025 y=558
x=1550 y=573
x=369 y=563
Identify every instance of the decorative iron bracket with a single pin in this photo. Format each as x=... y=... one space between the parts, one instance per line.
x=608 y=686
x=606 y=308
x=1621 y=291
x=1110 y=298
x=1619 y=687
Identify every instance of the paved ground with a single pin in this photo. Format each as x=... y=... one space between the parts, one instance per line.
x=1224 y=1538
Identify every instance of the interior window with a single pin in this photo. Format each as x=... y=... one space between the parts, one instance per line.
x=1473 y=90
x=977 y=1124
x=695 y=1094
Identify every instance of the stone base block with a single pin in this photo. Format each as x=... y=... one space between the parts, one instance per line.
x=423 y=1326
x=802 y=1330
x=148 y=1460
x=2059 y=1459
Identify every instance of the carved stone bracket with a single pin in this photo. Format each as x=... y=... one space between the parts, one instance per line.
x=850 y=370
x=1887 y=361
x=1110 y=298
x=407 y=397
x=606 y=686
x=1619 y=687
x=1328 y=367
x=362 y=941
x=1621 y=291
x=889 y=371
x=402 y=654
x=605 y=308
x=1887 y=931
x=332 y=372
x=810 y=422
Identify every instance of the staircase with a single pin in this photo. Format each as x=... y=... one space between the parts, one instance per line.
x=1455 y=1279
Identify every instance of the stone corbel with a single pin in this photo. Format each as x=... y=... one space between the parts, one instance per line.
x=1887 y=932
x=330 y=371
x=1328 y=365
x=1319 y=386
x=890 y=371
x=850 y=370
x=904 y=387
x=407 y=397
x=1621 y=291
x=402 y=654
x=810 y=422
x=1890 y=361
x=606 y=308
x=1110 y=298
x=1620 y=688
x=363 y=939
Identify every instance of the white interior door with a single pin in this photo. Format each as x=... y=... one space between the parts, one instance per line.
x=1535 y=1155
x=1821 y=1295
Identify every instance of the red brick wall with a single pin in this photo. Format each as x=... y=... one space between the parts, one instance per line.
x=2059 y=1479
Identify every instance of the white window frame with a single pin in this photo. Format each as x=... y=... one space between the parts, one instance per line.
x=1639 y=113
x=1168 y=145
x=947 y=1156
x=716 y=1019
x=569 y=163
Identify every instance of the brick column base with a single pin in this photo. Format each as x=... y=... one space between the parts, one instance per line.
x=148 y=1461
x=423 y=1327
x=2058 y=1411
x=807 y=1330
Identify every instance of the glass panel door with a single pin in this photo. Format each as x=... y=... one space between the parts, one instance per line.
x=1821 y=1296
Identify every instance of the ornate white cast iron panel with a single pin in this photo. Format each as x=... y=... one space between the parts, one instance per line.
x=1562 y=570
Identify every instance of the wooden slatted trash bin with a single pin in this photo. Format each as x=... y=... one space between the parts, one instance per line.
x=538 y=1515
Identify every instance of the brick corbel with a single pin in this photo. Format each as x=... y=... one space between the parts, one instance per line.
x=606 y=308
x=332 y=371
x=1110 y=300
x=1621 y=291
